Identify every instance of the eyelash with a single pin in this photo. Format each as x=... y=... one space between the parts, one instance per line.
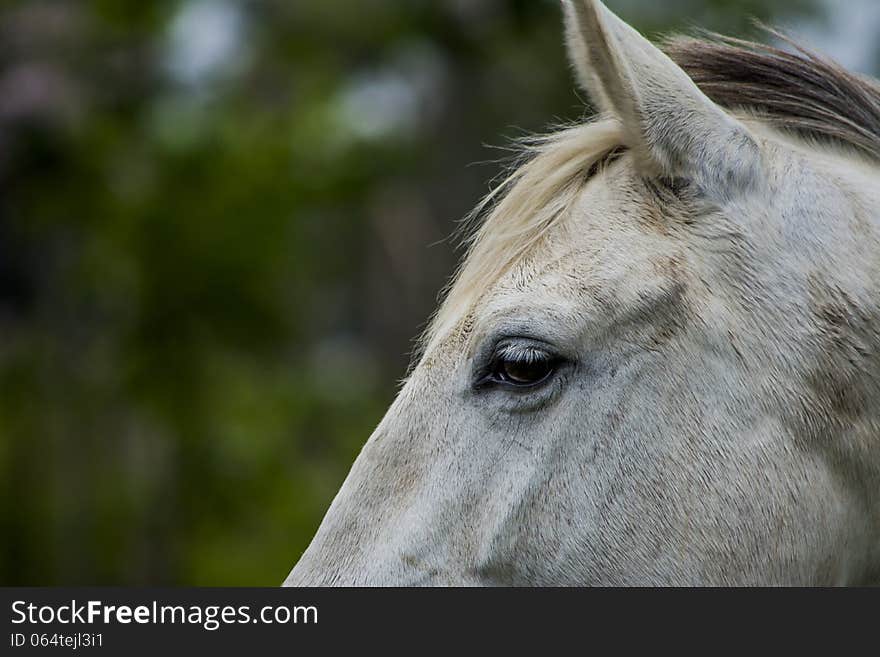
x=519 y=353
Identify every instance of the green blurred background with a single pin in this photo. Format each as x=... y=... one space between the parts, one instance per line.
x=221 y=226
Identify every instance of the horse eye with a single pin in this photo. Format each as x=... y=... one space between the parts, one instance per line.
x=522 y=367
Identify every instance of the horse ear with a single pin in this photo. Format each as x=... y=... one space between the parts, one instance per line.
x=674 y=129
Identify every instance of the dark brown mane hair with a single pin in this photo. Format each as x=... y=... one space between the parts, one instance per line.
x=794 y=90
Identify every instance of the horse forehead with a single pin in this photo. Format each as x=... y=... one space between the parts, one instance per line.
x=588 y=267
x=619 y=241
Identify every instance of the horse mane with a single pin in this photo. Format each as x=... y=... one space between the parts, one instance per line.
x=795 y=91
x=514 y=217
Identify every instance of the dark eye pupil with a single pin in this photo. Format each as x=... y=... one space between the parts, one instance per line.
x=525 y=371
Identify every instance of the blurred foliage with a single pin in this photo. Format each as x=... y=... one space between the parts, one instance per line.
x=221 y=224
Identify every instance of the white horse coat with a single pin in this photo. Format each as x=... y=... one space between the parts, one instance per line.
x=660 y=360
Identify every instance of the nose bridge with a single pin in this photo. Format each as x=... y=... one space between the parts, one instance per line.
x=361 y=538
x=426 y=500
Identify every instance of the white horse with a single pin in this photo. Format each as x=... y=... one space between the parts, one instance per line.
x=660 y=361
